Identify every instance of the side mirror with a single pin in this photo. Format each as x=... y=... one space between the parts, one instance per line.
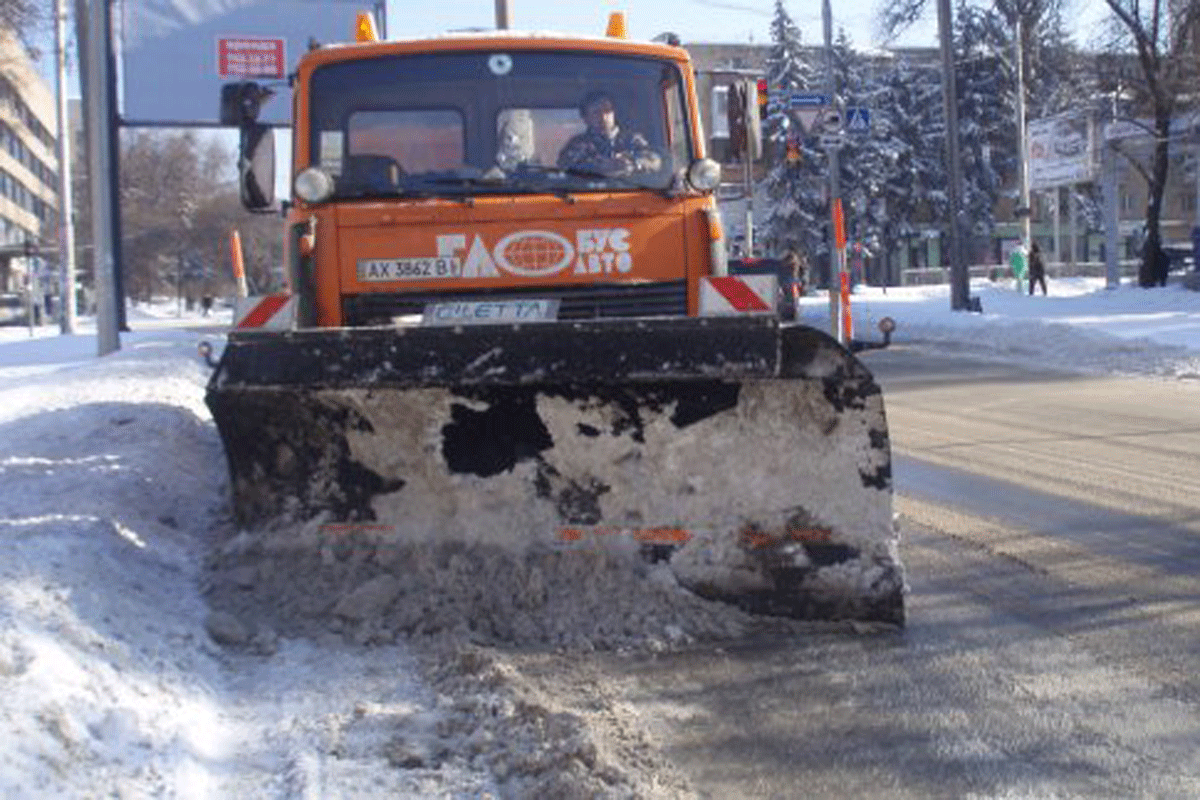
x=241 y=102
x=256 y=167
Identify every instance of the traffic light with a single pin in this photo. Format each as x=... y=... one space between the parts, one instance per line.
x=763 y=97
x=793 y=149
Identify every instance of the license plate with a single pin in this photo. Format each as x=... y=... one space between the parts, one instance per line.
x=409 y=269
x=490 y=312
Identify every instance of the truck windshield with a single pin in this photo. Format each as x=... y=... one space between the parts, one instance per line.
x=447 y=124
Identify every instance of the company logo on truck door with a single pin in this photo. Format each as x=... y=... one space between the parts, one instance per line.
x=538 y=254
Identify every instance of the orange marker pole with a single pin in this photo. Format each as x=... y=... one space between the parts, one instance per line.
x=839 y=295
x=847 y=318
x=239 y=265
x=839 y=225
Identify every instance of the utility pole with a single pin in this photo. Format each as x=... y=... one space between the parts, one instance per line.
x=112 y=134
x=960 y=287
x=1025 y=211
x=502 y=17
x=96 y=94
x=66 y=203
x=1112 y=267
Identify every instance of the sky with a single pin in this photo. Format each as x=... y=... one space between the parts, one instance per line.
x=714 y=21
x=718 y=21
x=113 y=484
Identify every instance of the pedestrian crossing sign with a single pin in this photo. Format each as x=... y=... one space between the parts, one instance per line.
x=858 y=120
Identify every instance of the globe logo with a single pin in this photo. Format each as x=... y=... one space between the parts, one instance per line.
x=534 y=254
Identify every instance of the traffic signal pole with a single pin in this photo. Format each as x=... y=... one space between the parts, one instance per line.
x=754 y=94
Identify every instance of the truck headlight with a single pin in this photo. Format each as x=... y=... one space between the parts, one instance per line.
x=313 y=185
x=704 y=174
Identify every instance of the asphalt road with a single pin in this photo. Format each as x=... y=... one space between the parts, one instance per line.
x=1051 y=532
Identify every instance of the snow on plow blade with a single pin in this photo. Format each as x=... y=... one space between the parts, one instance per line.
x=753 y=456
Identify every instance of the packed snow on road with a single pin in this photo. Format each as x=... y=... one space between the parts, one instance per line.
x=148 y=647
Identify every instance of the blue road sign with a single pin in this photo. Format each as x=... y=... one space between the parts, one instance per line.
x=858 y=120
x=806 y=100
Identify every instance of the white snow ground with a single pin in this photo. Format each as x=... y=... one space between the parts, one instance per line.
x=112 y=494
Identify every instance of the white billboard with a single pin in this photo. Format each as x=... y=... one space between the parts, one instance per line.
x=175 y=54
x=1062 y=151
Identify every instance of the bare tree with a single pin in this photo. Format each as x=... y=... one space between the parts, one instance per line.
x=178 y=204
x=23 y=18
x=897 y=15
x=1161 y=38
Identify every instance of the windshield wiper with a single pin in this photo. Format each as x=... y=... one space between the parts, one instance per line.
x=497 y=181
x=540 y=179
x=622 y=181
x=401 y=192
x=631 y=180
x=368 y=192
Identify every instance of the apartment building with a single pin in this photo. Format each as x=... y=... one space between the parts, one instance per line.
x=28 y=163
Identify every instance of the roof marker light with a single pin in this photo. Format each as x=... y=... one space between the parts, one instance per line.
x=364 y=28
x=616 y=25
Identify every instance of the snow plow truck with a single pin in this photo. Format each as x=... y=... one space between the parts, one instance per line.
x=481 y=344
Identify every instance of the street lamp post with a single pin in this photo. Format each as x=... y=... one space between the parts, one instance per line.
x=66 y=222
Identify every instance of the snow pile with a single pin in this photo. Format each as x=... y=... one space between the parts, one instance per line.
x=106 y=672
x=372 y=590
x=323 y=719
x=573 y=745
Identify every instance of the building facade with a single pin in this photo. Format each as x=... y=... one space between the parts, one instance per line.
x=28 y=164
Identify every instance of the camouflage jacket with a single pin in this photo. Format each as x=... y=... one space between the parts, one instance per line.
x=590 y=151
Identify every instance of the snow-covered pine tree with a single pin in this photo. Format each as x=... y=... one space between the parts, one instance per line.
x=911 y=129
x=986 y=110
x=795 y=219
x=865 y=161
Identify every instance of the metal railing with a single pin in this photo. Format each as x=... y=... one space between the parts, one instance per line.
x=1054 y=269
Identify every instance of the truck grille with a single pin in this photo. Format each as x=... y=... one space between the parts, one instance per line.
x=576 y=302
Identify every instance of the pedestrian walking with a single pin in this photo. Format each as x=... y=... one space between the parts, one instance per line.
x=1162 y=266
x=1037 y=269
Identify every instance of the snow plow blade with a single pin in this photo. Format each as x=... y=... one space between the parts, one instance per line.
x=752 y=456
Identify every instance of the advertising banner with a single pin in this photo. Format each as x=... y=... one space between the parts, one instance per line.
x=1062 y=151
x=176 y=54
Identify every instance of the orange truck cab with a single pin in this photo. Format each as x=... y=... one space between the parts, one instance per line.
x=431 y=172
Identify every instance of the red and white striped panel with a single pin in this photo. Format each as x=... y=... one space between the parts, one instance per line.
x=272 y=312
x=737 y=294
